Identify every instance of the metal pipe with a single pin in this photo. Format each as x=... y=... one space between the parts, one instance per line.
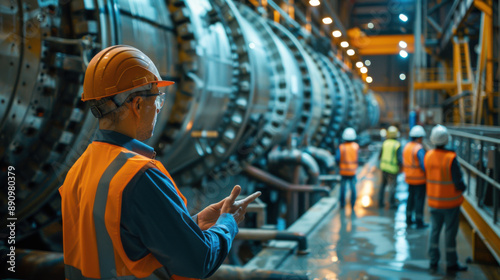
x=263 y=234
x=322 y=156
x=239 y=273
x=42 y=265
x=311 y=166
x=279 y=183
x=295 y=156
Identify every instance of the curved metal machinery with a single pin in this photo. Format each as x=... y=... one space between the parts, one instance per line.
x=243 y=84
x=44 y=125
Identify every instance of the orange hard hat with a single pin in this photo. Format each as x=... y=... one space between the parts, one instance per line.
x=118 y=69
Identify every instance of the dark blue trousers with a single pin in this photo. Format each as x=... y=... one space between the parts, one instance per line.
x=344 y=180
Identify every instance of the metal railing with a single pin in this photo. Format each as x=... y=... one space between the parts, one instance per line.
x=433 y=75
x=480 y=156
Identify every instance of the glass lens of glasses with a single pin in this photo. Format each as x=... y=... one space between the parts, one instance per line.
x=160 y=100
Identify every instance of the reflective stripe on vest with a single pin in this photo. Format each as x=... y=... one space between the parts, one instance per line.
x=414 y=175
x=348 y=158
x=441 y=191
x=389 y=159
x=91 y=199
x=105 y=251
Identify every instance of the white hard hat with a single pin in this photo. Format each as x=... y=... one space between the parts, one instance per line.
x=349 y=134
x=383 y=133
x=392 y=132
x=439 y=135
x=417 y=131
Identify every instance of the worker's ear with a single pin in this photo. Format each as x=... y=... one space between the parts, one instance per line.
x=137 y=106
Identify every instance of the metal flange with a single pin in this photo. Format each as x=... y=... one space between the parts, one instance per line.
x=229 y=129
x=339 y=114
x=352 y=109
x=276 y=114
x=328 y=97
x=294 y=45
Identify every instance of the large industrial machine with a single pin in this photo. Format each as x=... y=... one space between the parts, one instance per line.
x=244 y=84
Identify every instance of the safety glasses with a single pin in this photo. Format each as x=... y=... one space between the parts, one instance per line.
x=159 y=101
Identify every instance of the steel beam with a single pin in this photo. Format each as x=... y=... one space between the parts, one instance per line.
x=435 y=85
x=456 y=17
x=382 y=44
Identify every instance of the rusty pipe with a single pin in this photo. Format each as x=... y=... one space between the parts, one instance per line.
x=265 y=234
x=279 y=183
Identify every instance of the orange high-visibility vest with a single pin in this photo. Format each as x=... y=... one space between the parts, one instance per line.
x=414 y=174
x=348 y=158
x=441 y=191
x=91 y=210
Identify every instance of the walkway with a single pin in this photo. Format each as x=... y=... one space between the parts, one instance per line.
x=372 y=243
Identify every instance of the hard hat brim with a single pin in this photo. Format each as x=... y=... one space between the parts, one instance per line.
x=164 y=83
x=158 y=84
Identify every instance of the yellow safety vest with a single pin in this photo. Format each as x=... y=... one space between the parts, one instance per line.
x=389 y=159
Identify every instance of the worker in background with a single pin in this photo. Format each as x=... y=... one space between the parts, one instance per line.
x=383 y=134
x=444 y=195
x=390 y=163
x=413 y=167
x=123 y=215
x=347 y=159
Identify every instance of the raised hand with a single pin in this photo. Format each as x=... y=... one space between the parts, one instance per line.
x=237 y=208
x=208 y=216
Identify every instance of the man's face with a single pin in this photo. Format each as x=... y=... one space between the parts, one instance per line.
x=148 y=116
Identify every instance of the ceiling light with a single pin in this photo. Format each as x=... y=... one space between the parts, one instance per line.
x=403 y=53
x=359 y=64
x=371 y=25
x=336 y=33
x=402 y=76
x=368 y=62
x=344 y=44
x=403 y=44
x=314 y=3
x=350 y=52
x=402 y=17
x=327 y=20
x=369 y=79
x=363 y=70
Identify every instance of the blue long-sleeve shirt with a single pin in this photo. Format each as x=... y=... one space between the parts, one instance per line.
x=154 y=219
x=421 y=156
x=456 y=176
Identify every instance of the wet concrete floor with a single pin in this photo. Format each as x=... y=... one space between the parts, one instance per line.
x=373 y=243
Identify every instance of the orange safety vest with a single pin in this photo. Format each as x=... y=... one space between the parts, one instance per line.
x=348 y=158
x=441 y=191
x=414 y=174
x=91 y=210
